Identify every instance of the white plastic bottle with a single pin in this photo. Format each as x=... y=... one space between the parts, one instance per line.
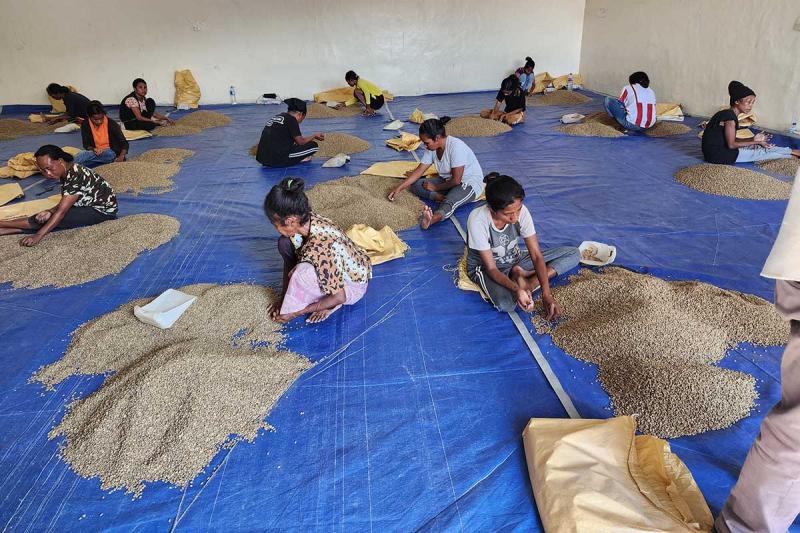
x=570 y=82
x=232 y=92
x=795 y=127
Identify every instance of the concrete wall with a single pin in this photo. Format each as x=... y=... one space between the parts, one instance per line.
x=691 y=49
x=294 y=48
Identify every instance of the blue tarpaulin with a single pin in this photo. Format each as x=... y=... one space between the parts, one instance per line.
x=412 y=418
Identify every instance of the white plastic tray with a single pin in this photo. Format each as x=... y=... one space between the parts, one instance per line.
x=166 y=309
x=605 y=253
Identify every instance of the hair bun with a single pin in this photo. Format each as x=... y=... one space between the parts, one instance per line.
x=444 y=120
x=528 y=58
x=491 y=176
x=292 y=185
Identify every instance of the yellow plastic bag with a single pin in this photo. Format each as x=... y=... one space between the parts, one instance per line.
x=396 y=169
x=26 y=209
x=8 y=173
x=597 y=475
x=463 y=282
x=26 y=162
x=187 y=92
x=9 y=192
x=406 y=141
x=134 y=135
x=417 y=116
x=668 y=110
x=381 y=246
x=58 y=105
x=344 y=95
x=746 y=119
x=541 y=81
x=561 y=81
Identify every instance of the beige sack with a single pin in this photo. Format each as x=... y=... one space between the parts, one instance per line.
x=381 y=245
x=784 y=259
x=187 y=92
x=597 y=475
x=561 y=81
x=27 y=209
x=10 y=192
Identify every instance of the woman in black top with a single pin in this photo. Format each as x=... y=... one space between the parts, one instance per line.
x=281 y=143
x=86 y=198
x=720 y=144
x=75 y=103
x=514 y=97
x=137 y=112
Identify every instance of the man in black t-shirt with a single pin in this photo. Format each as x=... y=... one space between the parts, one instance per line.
x=282 y=144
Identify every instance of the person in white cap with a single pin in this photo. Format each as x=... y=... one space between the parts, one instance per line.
x=766 y=498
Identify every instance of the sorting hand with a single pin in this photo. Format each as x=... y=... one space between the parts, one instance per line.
x=43 y=217
x=524 y=300
x=31 y=240
x=319 y=136
x=551 y=307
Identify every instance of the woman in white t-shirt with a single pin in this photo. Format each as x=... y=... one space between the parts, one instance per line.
x=635 y=109
x=508 y=275
x=460 y=179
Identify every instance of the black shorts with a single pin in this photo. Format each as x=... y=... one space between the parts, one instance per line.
x=76 y=217
x=376 y=103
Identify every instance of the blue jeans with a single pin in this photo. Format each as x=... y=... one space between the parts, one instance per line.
x=617 y=110
x=89 y=159
x=757 y=153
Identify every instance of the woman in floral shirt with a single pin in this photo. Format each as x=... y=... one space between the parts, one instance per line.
x=323 y=268
x=86 y=198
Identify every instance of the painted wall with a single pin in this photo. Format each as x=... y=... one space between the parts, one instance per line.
x=292 y=47
x=691 y=49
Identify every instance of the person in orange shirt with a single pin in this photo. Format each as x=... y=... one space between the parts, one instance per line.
x=102 y=138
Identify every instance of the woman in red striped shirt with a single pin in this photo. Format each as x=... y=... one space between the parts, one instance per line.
x=635 y=109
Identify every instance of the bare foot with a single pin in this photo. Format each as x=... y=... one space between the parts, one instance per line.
x=425 y=218
x=321 y=316
x=306 y=160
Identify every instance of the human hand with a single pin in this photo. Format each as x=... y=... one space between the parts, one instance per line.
x=524 y=300
x=97 y=151
x=319 y=136
x=43 y=216
x=274 y=309
x=551 y=307
x=762 y=137
x=393 y=194
x=31 y=240
x=428 y=186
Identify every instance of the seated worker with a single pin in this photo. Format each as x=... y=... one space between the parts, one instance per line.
x=368 y=94
x=102 y=139
x=526 y=76
x=514 y=97
x=281 y=143
x=137 y=112
x=719 y=142
x=74 y=103
x=635 y=109
x=86 y=198
x=460 y=176
x=506 y=274
x=322 y=268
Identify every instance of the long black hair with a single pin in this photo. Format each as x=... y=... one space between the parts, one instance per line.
x=287 y=199
x=53 y=152
x=639 y=77
x=434 y=127
x=502 y=191
x=511 y=84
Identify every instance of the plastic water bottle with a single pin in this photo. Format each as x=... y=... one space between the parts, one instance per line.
x=232 y=92
x=570 y=82
x=794 y=128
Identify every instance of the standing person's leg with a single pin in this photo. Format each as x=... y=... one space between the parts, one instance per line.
x=766 y=498
x=758 y=153
x=302 y=152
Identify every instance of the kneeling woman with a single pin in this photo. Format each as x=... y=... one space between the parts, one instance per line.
x=366 y=93
x=281 y=143
x=508 y=275
x=322 y=268
x=86 y=198
x=720 y=144
x=460 y=176
x=514 y=97
x=103 y=141
x=137 y=112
